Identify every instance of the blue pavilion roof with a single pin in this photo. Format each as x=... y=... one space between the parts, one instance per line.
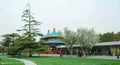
x=54 y=34
x=51 y=34
x=48 y=34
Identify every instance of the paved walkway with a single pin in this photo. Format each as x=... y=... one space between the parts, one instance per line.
x=27 y=62
x=103 y=57
x=96 y=57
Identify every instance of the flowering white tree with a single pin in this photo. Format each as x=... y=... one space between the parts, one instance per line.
x=86 y=38
x=70 y=38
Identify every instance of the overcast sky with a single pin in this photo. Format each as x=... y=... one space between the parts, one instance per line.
x=102 y=15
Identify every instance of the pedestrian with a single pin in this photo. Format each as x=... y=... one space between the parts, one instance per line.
x=80 y=53
x=61 y=54
x=117 y=56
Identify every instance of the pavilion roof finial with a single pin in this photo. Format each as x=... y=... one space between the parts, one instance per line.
x=48 y=31
x=54 y=30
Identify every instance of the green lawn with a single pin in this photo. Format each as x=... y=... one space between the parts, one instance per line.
x=72 y=61
x=6 y=61
x=60 y=61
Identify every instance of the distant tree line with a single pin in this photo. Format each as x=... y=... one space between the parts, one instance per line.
x=109 y=36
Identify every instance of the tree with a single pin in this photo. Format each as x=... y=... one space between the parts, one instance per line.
x=9 y=40
x=42 y=47
x=116 y=37
x=30 y=31
x=107 y=37
x=70 y=38
x=24 y=43
x=30 y=27
x=86 y=38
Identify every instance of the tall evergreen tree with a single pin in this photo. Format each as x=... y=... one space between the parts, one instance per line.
x=30 y=27
x=31 y=30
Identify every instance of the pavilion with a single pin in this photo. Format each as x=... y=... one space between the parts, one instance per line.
x=53 y=40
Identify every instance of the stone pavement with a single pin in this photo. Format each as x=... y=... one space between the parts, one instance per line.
x=27 y=62
x=103 y=57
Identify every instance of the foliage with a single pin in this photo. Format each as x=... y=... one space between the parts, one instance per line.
x=24 y=44
x=30 y=31
x=114 y=50
x=109 y=36
x=9 y=39
x=42 y=47
x=86 y=37
x=116 y=37
x=106 y=37
x=30 y=27
x=70 y=38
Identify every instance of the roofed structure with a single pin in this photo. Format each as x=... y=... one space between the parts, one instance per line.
x=53 y=38
x=108 y=43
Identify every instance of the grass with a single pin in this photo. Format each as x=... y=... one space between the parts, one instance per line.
x=72 y=61
x=60 y=61
x=5 y=60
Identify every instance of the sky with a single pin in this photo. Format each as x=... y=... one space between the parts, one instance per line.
x=102 y=15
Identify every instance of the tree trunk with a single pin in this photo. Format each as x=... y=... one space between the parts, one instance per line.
x=30 y=54
x=84 y=50
x=38 y=53
x=71 y=51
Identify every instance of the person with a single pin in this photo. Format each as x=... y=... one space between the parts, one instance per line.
x=80 y=53
x=19 y=54
x=61 y=54
x=117 y=56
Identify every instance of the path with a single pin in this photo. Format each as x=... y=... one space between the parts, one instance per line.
x=103 y=57
x=96 y=57
x=27 y=62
